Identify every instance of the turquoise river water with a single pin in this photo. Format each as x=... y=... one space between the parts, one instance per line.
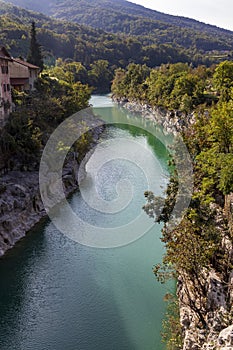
x=57 y=294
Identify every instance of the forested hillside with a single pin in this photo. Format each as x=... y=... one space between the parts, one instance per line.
x=124 y=17
x=77 y=42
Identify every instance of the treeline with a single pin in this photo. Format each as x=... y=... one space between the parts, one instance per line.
x=98 y=76
x=147 y=30
x=172 y=86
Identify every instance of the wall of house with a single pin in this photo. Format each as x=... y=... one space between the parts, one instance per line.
x=5 y=89
x=33 y=75
x=17 y=70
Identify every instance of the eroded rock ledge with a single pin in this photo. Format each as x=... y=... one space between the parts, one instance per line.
x=21 y=206
x=173 y=122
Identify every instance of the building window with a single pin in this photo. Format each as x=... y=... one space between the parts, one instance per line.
x=4 y=87
x=8 y=87
x=4 y=69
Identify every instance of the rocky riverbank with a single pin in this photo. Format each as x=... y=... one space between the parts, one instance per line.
x=21 y=206
x=218 y=332
x=173 y=122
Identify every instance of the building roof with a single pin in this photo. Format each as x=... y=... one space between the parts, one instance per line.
x=4 y=54
x=26 y=64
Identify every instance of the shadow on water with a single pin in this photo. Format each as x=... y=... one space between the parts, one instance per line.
x=41 y=312
x=58 y=295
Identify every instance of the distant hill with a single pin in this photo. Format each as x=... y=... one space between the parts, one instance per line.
x=120 y=16
x=77 y=42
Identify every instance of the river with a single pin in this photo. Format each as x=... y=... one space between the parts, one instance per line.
x=57 y=294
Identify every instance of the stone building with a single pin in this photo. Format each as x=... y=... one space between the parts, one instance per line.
x=17 y=74
x=5 y=85
x=23 y=75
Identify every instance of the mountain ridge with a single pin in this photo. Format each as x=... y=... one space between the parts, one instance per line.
x=149 y=26
x=49 y=7
x=67 y=40
x=140 y=40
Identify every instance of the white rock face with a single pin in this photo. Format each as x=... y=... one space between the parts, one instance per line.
x=225 y=339
x=218 y=335
x=216 y=293
x=172 y=122
x=21 y=206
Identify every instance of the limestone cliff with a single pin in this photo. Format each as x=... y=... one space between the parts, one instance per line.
x=21 y=206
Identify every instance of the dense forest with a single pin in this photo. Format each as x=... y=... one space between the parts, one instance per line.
x=111 y=15
x=76 y=42
x=140 y=40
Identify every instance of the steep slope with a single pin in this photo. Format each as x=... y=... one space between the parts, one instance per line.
x=120 y=16
x=53 y=7
x=77 y=42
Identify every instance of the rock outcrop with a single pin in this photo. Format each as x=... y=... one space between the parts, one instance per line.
x=21 y=206
x=217 y=333
x=173 y=122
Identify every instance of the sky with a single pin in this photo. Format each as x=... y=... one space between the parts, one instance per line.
x=216 y=12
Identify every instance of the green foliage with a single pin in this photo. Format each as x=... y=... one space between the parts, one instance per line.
x=158 y=208
x=100 y=76
x=223 y=79
x=182 y=87
x=172 y=331
x=173 y=86
x=165 y=43
x=194 y=247
x=82 y=145
x=68 y=71
x=216 y=157
x=36 y=116
x=78 y=43
x=130 y=19
x=131 y=82
x=191 y=247
x=26 y=135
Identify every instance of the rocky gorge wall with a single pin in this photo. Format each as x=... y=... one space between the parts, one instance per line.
x=21 y=206
x=173 y=122
x=218 y=333
x=218 y=310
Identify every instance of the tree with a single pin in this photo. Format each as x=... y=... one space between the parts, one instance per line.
x=100 y=76
x=223 y=79
x=191 y=248
x=70 y=72
x=216 y=158
x=35 y=55
x=118 y=85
